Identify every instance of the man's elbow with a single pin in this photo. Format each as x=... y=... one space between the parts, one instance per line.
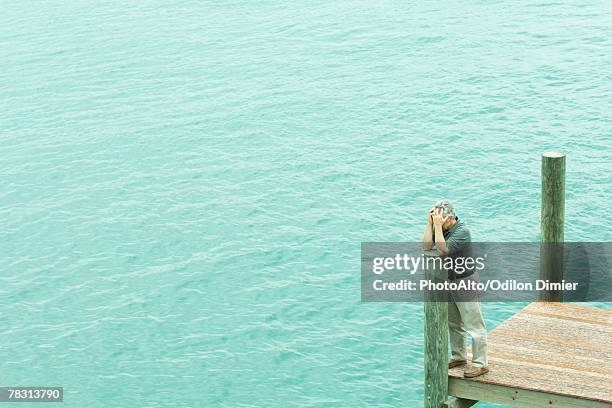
x=442 y=251
x=427 y=245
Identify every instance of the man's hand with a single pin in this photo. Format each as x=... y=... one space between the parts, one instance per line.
x=430 y=214
x=427 y=240
x=438 y=217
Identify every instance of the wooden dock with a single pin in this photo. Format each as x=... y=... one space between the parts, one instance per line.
x=547 y=355
x=550 y=354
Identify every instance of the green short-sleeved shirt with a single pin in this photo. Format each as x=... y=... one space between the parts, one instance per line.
x=458 y=240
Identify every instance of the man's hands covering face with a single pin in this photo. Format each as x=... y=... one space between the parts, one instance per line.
x=438 y=217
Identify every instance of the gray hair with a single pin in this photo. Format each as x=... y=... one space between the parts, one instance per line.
x=447 y=207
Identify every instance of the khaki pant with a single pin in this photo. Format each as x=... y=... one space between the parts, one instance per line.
x=466 y=318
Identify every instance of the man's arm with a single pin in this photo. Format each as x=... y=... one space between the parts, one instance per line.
x=427 y=240
x=440 y=241
x=438 y=220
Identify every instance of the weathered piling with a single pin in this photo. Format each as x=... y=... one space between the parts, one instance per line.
x=436 y=339
x=552 y=220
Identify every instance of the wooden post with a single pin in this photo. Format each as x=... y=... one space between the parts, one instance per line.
x=436 y=339
x=552 y=219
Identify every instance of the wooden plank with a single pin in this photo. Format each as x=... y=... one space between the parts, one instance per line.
x=550 y=360
x=525 y=342
x=562 y=340
x=516 y=397
x=570 y=311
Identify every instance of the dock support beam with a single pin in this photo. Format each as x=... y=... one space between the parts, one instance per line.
x=552 y=220
x=436 y=340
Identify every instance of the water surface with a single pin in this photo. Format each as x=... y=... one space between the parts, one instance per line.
x=185 y=185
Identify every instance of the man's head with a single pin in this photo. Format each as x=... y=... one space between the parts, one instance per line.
x=447 y=209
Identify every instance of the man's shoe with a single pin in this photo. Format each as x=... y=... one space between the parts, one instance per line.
x=456 y=363
x=475 y=372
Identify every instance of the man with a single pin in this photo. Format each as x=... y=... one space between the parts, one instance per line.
x=452 y=239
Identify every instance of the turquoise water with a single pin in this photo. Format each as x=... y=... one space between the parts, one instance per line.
x=185 y=185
